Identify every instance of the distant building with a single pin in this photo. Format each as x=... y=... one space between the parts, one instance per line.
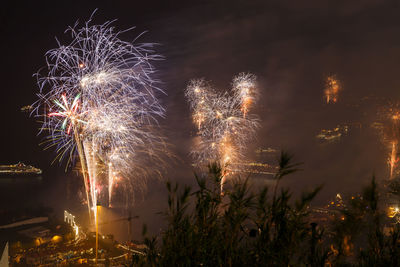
x=69 y=218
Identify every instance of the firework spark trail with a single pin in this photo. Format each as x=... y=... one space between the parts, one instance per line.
x=393 y=158
x=98 y=100
x=222 y=120
x=390 y=135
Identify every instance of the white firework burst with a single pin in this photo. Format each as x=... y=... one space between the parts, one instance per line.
x=98 y=102
x=223 y=123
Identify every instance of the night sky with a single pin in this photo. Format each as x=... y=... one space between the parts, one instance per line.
x=291 y=46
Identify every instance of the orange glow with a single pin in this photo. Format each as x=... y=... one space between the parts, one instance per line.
x=347 y=245
x=38 y=241
x=335 y=251
x=396 y=116
x=393 y=211
x=56 y=238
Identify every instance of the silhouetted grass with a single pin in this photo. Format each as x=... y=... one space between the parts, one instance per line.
x=242 y=228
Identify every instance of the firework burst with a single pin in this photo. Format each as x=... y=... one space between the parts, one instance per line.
x=389 y=130
x=222 y=120
x=332 y=88
x=99 y=103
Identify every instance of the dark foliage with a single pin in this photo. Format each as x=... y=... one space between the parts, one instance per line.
x=240 y=228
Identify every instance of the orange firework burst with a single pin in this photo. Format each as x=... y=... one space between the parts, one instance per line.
x=332 y=89
x=244 y=86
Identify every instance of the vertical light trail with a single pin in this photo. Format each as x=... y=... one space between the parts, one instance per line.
x=393 y=158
